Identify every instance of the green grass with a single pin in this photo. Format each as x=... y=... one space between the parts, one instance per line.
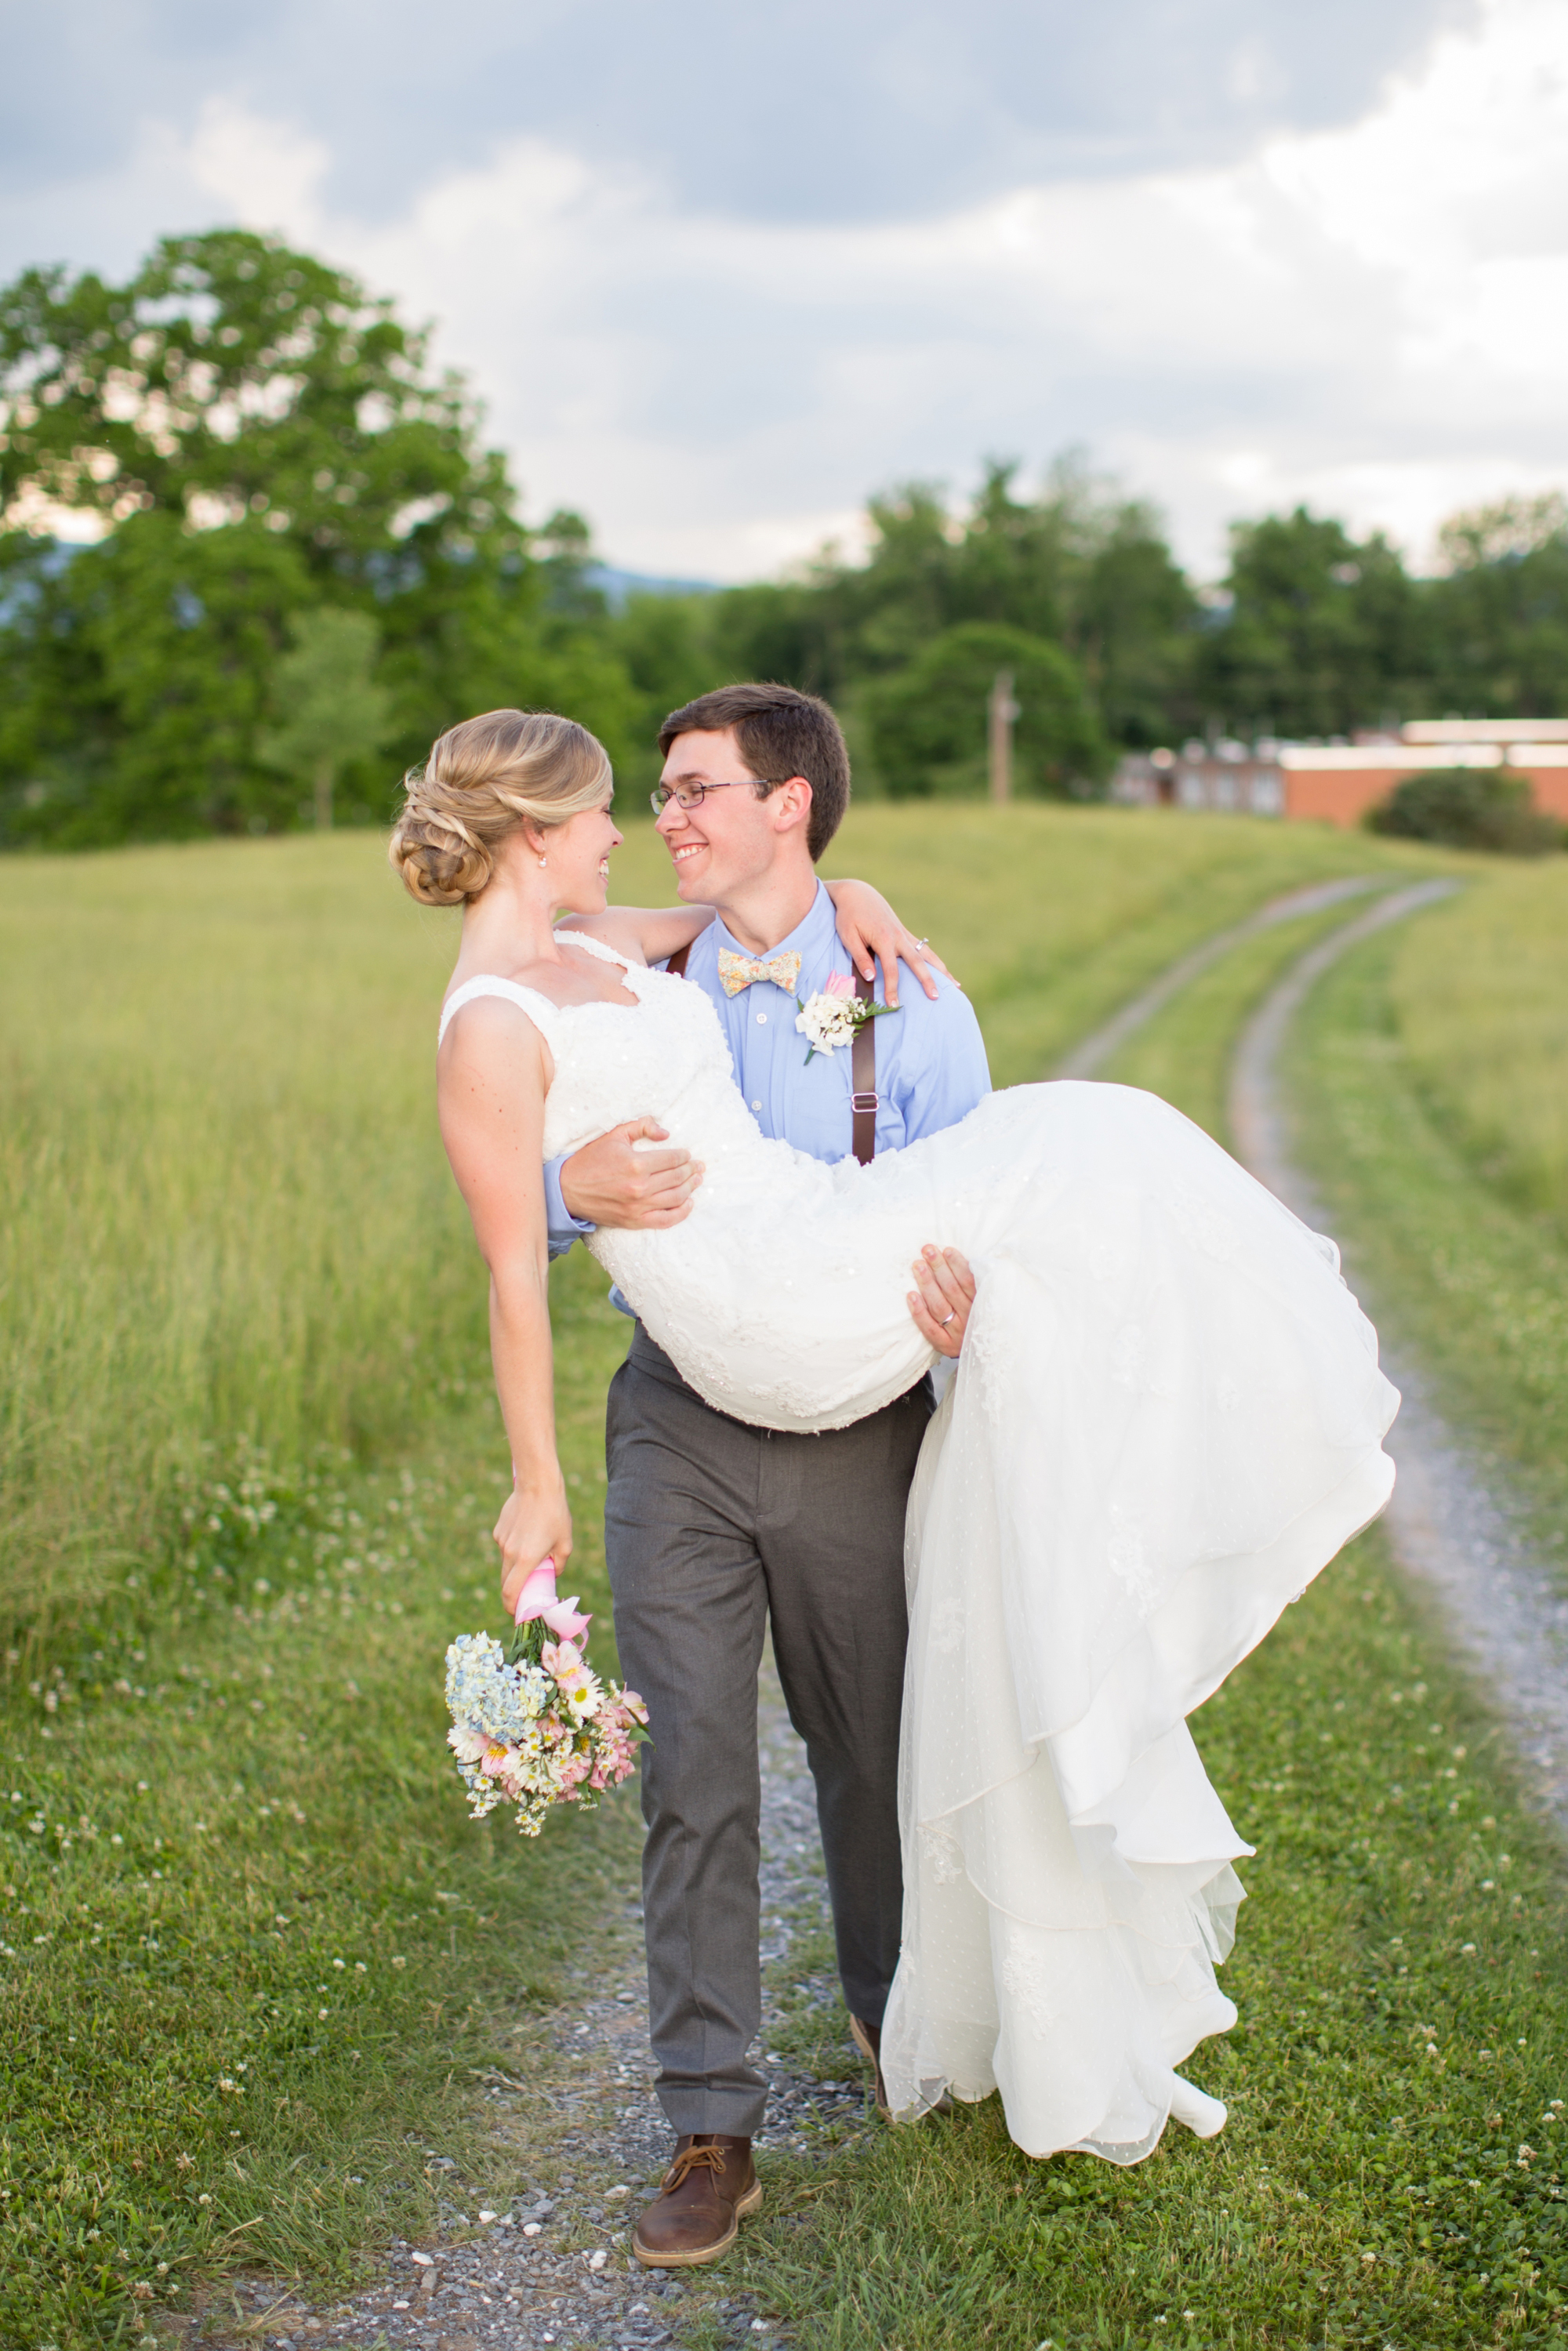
x=1464 y=1276
x=1479 y=992
x=236 y=1287
x=240 y=1857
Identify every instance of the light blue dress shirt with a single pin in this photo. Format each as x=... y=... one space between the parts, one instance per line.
x=931 y=1066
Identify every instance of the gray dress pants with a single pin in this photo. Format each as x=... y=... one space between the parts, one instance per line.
x=711 y=1529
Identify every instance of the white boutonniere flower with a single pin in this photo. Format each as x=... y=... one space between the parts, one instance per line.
x=831 y=1017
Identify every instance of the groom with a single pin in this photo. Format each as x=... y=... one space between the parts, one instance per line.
x=715 y=1529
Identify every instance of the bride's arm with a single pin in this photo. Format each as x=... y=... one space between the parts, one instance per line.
x=866 y=924
x=493 y=1074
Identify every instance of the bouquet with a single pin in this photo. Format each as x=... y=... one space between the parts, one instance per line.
x=532 y=1725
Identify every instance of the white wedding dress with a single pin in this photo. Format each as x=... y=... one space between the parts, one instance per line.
x=1168 y=1417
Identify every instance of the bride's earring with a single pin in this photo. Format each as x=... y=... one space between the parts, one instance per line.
x=544 y=860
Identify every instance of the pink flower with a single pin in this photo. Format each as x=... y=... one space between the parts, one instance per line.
x=839 y=983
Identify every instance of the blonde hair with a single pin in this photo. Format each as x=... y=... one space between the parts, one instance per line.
x=483 y=780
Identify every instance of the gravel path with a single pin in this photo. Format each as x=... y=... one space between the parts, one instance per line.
x=578 y=2126
x=1451 y=1529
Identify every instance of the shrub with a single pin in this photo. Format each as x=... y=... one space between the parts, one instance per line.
x=1469 y=807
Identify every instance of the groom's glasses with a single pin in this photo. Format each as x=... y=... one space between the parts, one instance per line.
x=691 y=796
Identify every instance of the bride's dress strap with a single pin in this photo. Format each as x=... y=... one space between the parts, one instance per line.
x=540 y=1009
x=597 y=947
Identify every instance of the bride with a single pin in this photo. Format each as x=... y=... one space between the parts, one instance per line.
x=1167 y=1419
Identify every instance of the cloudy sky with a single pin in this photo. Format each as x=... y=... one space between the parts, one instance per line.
x=719 y=271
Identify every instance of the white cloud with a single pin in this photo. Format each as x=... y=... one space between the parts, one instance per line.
x=1373 y=318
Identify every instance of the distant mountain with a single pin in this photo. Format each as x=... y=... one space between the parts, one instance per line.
x=616 y=586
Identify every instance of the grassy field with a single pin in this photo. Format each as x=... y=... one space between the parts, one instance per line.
x=249 y=1455
x=1480 y=997
x=226 y=1216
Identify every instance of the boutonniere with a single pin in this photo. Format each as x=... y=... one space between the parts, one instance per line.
x=832 y=1016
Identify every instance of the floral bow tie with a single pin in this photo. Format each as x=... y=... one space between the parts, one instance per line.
x=738 y=971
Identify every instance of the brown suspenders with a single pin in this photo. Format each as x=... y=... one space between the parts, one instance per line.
x=863 y=1080
x=862 y=1067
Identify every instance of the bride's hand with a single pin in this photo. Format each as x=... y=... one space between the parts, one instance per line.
x=532 y=1526
x=941 y=1304
x=873 y=933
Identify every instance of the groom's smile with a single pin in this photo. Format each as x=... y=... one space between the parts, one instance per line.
x=730 y=837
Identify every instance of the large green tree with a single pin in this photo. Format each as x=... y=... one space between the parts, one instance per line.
x=252 y=436
x=1079 y=567
x=1322 y=634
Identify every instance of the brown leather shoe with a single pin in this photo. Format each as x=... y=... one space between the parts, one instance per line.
x=706 y=2192
x=867 y=2039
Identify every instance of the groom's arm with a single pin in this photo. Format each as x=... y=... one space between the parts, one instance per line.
x=619 y=1180
x=561 y=1228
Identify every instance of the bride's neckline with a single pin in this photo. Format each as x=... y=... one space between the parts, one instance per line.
x=595 y=947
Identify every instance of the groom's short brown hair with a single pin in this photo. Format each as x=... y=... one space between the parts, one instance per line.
x=781 y=733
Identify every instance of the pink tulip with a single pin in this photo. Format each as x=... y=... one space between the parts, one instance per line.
x=839 y=983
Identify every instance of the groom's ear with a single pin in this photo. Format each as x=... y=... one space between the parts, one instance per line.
x=792 y=804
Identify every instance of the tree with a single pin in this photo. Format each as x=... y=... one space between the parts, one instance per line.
x=1322 y=632
x=333 y=710
x=928 y=722
x=253 y=436
x=1497 y=615
x=1081 y=566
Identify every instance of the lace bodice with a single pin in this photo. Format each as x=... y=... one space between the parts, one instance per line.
x=664 y=1057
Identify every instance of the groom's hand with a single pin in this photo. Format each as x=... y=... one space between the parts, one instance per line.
x=608 y=1182
x=941 y=1303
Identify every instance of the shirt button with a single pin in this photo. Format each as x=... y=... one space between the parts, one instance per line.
x=762 y=1019
x=756 y=1106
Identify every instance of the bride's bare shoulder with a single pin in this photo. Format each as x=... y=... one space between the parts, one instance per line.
x=618 y=928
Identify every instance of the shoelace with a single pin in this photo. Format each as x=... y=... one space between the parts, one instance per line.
x=690 y=2160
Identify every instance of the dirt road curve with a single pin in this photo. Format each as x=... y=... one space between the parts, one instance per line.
x=1451 y=1526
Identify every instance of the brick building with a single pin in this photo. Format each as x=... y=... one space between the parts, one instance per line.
x=1337 y=783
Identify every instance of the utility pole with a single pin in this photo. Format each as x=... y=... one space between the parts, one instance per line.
x=1002 y=710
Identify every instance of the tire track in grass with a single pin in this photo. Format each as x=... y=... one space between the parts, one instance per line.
x=1449 y=1527
x=1103 y=1044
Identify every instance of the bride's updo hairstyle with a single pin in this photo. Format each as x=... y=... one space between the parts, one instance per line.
x=481 y=781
